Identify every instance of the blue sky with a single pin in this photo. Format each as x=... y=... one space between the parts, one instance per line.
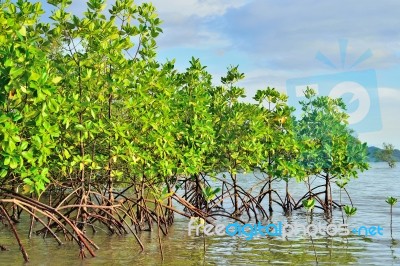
x=276 y=43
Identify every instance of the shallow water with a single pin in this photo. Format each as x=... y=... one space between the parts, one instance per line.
x=368 y=193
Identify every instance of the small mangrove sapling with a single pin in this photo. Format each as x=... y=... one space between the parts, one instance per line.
x=341 y=185
x=309 y=204
x=349 y=210
x=391 y=201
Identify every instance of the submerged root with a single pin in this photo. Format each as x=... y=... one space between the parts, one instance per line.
x=36 y=208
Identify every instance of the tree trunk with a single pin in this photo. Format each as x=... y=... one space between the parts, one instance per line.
x=270 y=193
x=236 y=197
x=328 y=199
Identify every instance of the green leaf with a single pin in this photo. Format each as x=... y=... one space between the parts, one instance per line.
x=22 y=31
x=56 y=80
x=28 y=155
x=34 y=77
x=309 y=204
x=349 y=210
x=6 y=161
x=24 y=145
x=23 y=89
x=66 y=154
x=79 y=127
x=13 y=163
x=3 y=173
x=16 y=138
x=391 y=201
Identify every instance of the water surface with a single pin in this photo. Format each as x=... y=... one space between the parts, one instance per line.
x=368 y=193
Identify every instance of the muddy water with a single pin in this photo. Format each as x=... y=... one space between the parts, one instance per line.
x=368 y=194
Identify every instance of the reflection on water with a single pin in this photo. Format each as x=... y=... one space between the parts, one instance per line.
x=368 y=194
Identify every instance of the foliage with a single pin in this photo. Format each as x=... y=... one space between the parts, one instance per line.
x=280 y=149
x=28 y=101
x=391 y=201
x=90 y=116
x=210 y=193
x=309 y=204
x=238 y=129
x=329 y=148
x=350 y=210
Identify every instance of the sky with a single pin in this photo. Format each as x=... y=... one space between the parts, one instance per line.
x=348 y=49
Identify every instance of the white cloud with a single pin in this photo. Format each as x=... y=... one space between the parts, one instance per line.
x=288 y=35
x=200 y=8
x=187 y=22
